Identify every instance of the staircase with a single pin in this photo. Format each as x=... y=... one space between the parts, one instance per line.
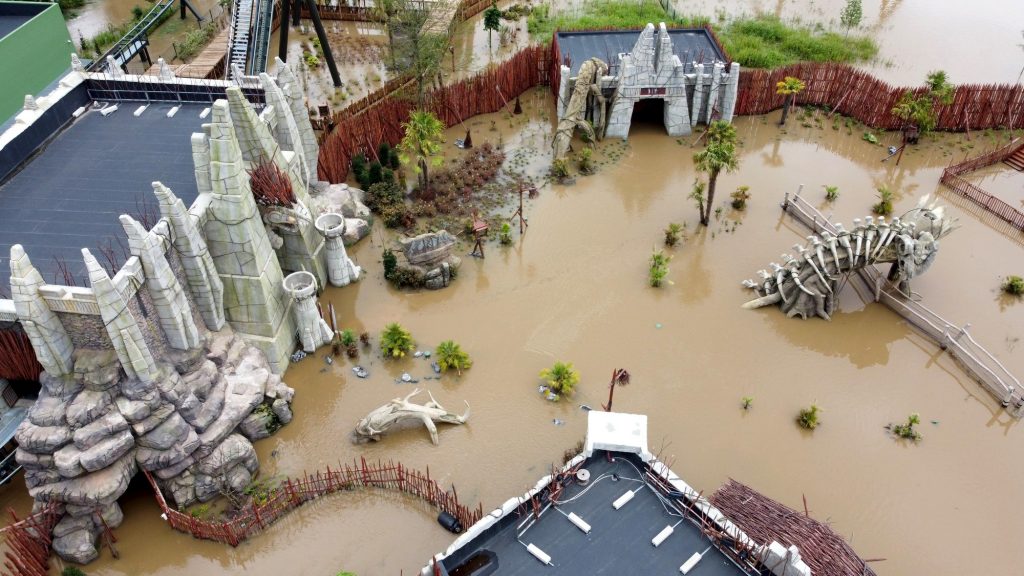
x=1016 y=160
x=241 y=24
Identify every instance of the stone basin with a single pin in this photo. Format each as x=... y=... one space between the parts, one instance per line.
x=300 y=284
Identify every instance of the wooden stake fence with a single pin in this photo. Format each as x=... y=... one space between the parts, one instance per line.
x=860 y=95
x=951 y=178
x=28 y=543
x=293 y=493
x=379 y=117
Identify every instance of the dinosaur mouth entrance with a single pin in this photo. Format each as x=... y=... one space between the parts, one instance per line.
x=649 y=112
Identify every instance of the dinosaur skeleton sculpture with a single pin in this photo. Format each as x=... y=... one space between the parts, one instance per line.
x=806 y=284
x=588 y=83
x=380 y=420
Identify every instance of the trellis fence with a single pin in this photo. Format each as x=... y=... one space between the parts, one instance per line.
x=858 y=94
x=362 y=127
x=27 y=543
x=292 y=493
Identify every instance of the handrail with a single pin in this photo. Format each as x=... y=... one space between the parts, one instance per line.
x=977 y=361
x=140 y=29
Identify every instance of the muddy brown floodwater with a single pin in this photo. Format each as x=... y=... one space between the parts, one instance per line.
x=574 y=289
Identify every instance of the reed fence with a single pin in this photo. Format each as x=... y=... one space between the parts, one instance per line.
x=860 y=95
x=379 y=117
x=292 y=493
x=27 y=543
x=17 y=357
x=951 y=177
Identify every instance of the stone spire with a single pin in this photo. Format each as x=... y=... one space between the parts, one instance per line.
x=122 y=327
x=165 y=73
x=340 y=268
x=293 y=93
x=287 y=131
x=254 y=300
x=171 y=305
x=313 y=331
x=203 y=281
x=49 y=339
x=76 y=63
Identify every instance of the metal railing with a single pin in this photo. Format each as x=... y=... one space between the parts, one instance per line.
x=978 y=362
x=134 y=40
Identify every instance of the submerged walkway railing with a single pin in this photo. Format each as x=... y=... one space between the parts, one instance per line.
x=975 y=359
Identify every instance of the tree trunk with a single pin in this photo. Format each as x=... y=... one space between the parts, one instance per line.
x=712 y=180
x=785 y=109
x=426 y=175
x=391 y=43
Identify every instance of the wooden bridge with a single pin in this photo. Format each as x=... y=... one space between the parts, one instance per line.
x=972 y=356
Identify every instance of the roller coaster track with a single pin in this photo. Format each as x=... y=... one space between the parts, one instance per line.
x=249 y=47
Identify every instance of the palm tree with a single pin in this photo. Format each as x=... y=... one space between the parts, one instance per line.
x=620 y=377
x=422 y=144
x=719 y=155
x=789 y=87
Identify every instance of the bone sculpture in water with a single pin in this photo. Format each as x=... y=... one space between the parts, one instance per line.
x=383 y=418
x=805 y=284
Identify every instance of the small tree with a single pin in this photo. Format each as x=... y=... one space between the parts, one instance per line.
x=492 y=21
x=720 y=154
x=451 y=356
x=746 y=402
x=740 y=197
x=658 y=269
x=390 y=262
x=561 y=378
x=395 y=341
x=808 y=417
x=421 y=144
x=851 y=15
x=789 y=87
x=505 y=237
x=919 y=109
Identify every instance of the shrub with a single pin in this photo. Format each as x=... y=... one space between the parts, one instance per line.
x=364 y=338
x=450 y=355
x=585 y=160
x=348 y=337
x=376 y=173
x=407 y=278
x=831 y=193
x=384 y=194
x=395 y=341
x=673 y=234
x=561 y=378
x=884 y=205
x=740 y=197
x=560 y=168
x=808 y=417
x=659 y=268
x=746 y=402
x=72 y=571
x=506 y=233
x=1014 y=285
x=907 y=430
x=390 y=263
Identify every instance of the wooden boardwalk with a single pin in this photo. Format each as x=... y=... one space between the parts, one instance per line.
x=207 y=64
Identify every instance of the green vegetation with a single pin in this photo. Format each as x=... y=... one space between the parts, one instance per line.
x=561 y=378
x=311 y=60
x=831 y=193
x=720 y=154
x=884 y=205
x=658 y=269
x=560 y=168
x=746 y=402
x=492 y=20
x=673 y=234
x=421 y=145
x=505 y=237
x=740 y=197
x=72 y=570
x=1014 y=285
x=808 y=417
x=451 y=356
x=850 y=15
x=756 y=42
x=195 y=41
x=919 y=109
x=390 y=262
x=789 y=87
x=907 y=431
x=585 y=160
x=395 y=341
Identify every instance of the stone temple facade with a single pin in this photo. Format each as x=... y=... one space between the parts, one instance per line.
x=652 y=70
x=172 y=365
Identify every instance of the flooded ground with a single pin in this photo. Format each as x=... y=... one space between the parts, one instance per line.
x=574 y=289
x=98 y=15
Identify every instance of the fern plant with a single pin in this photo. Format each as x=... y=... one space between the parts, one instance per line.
x=395 y=341
x=451 y=356
x=561 y=378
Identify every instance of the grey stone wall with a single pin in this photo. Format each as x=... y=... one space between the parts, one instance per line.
x=85 y=330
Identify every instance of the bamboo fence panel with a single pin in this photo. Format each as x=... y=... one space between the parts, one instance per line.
x=27 y=543
x=294 y=492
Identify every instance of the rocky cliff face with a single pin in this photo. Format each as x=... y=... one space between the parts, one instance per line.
x=91 y=431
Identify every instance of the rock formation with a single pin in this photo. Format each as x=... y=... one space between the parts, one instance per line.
x=428 y=259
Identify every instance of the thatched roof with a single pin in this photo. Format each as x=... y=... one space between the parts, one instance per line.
x=764 y=520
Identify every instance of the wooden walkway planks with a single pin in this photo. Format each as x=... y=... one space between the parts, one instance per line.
x=207 y=64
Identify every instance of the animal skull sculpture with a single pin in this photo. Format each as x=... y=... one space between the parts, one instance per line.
x=806 y=285
x=380 y=420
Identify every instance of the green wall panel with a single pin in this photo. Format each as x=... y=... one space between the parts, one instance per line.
x=32 y=56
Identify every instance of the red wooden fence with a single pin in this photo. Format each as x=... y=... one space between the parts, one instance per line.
x=27 y=543
x=951 y=177
x=860 y=95
x=293 y=493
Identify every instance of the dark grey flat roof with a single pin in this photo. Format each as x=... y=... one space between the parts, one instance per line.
x=690 y=44
x=13 y=15
x=69 y=196
x=619 y=542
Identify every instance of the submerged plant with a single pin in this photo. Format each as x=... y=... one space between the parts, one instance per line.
x=348 y=337
x=808 y=417
x=658 y=268
x=746 y=402
x=505 y=237
x=585 y=160
x=673 y=234
x=740 y=197
x=395 y=341
x=560 y=168
x=884 y=205
x=561 y=378
x=1014 y=285
x=451 y=356
x=907 y=430
x=831 y=193
x=390 y=263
